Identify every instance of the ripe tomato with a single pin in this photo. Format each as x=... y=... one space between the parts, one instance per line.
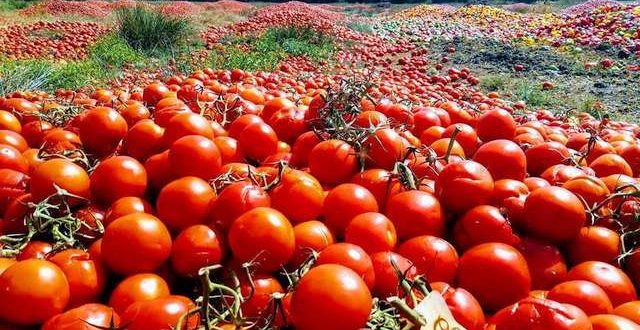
x=13 y=139
x=372 y=231
x=235 y=200
x=117 y=177
x=86 y=278
x=310 y=236
x=483 y=224
x=546 y=263
x=594 y=244
x=542 y=156
x=258 y=295
x=486 y=267
x=611 y=279
x=416 y=213
x=38 y=283
x=433 y=257
x=262 y=235
x=504 y=159
x=35 y=250
x=11 y=158
x=6 y=263
x=386 y=275
x=195 y=247
x=612 y=322
x=349 y=255
x=159 y=314
x=380 y=183
x=583 y=294
x=185 y=202
x=195 y=155
x=630 y=310
x=333 y=162
x=466 y=178
x=62 y=173
x=553 y=213
x=343 y=203
x=324 y=288
x=85 y=317
x=101 y=130
x=590 y=188
x=136 y=243
x=9 y=122
x=609 y=164
x=540 y=314
x=258 y=141
x=124 y=206
x=143 y=140
x=229 y=149
x=384 y=148
x=13 y=184
x=496 y=124
x=186 y=123
x=299 y=196
x=463 y=306
x=140 y=287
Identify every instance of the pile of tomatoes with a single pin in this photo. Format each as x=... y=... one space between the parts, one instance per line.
x=234 y=200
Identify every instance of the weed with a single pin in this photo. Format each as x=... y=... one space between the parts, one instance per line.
x=531 y=94
x=361 y=27
x=6 y=5
x=28 y=75
x=492 y=83
x=112 y=51
x=151 y=31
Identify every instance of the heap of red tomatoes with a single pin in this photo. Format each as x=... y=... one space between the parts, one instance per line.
x=224 y=198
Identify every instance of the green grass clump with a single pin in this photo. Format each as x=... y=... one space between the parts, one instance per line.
x=361 y=27
x=266 y=51
x=114 y=51
x=493 y=83
x=6 y=5
x=151 y=31
x=531 y=94
x=27 y=75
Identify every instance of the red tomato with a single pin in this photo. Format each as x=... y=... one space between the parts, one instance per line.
x=349 y=255
x=612 y=322
x=463 y=306
x=140 y=287
x=11 y=158
x=546 y=264
x=432 y=256
x=235 y=200
x=466 y=178
x=416 y=213
x=384 y=148
x=101 y=130
x=86 y=277
x=264 y=236
x=542 y=156
x=258 y=141
x=372 y=231
x=496 y=124
x=333 y=162
x=35 y=250
x=124 y=206
x=323 y=287
x=504 y=159
x=37 y=284
x=582 y=294
x=343 y=203
x=540 y=314
x=85 y=317
x=143 y=140
x=612 y=280
x=594 y=244
x=195 y=155
x=62 y=173
x=310 y=236
x=159 y=314
x=136 y=243
x=630 y=310
x=195 y=247
x=118 y=177
x=302 y=188
x=185 y=202
x=553 y=213
x=485 y=268
x=258 y=295
x=386 y=275
x=186 y=123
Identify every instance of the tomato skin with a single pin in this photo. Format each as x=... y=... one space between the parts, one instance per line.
x=258 y=141
x=324 y=288
x=486 y=267
x=13 y=139
x=195 y=247
x=503 y=159
x=85 y=317
x=630 y=310
x=195 y=155
x=540 y=314
x=235 y=200
x=63 y=173
x=17 y=285
x=432 y=256
x=259 y=300
x=384 y=148
x=264 y=235
x=6 y=263
x=35 y=250
x=159 y=314
x=333 y=162
x=546 y=264
x=11 y=158
x=229 y=150
x=612 y=322
x=13 y=184
x=299 y=196
x=185 y=202
x=86 y=278
x=136 y=243
x=464 y=307
x=139 y=287
x=416 y=213
x=380 y=183
x=345 y=202
x=553 y=213
x=542 y=156
x=349 y=255
x=465 y=178
x=310 y=236
x=583 y=294
x=101 y=130
x=387 y=282
x=124 y=206
x=372 y=231
x=496 y=124
x=143 y=140
x=594 y=243
x=9 y=122
x=186 y=123
x=611 y=279
x=118 y=177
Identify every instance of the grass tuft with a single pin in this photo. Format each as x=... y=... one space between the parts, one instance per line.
x=151 y=31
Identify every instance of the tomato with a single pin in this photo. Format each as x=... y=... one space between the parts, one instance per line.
x=349 y=255
x=386 y=275
x=11 y=158
x=553 y=213
x=333 y=162
x=630 y=310
x=186 y=123
x=9 y=122
x=143 y=140
x=486 y=267
x=433 y=257
x=13 y=184
x=85 y=317
x=258 y=295
x=118 y=177
x=258 y=141
x=134 y=113
x=424 y=118
x=609 y=164
x=380 y=183
x=195 y=155
x=483 y=224
x=384 y=148
x=546 y=264
x=86 y=278
x=594 y=244
x=38 y=283
x=35 y=250
x=465 y=178
x=6 y=263
x=195 y=247
x=288 y=123
x=591 y=189
x=235 y=200
x=612 y=322
x=504 y=159
x=140 y=287
x=124 y=206
x=264 y=236
x=302 y=148
x=159 y=314
x=33 y=132
x=631 y=154
x=496 y=124
x=185 y=202
x=101 y=130
x=540 y=314
x=416 y=213
x=62 y=173
x=542 y=156
x=463 y=306
x=508 y=189
x=343 y=203
x=372 y=231
x=13 y=139
x=466 y=137
x=299 y=196
x=136 y=243
x=583 y=294
x=238 y=125
x=229 y=149
x=154 y=93
x=325 y=287
x=612 y=280
x=310 y=236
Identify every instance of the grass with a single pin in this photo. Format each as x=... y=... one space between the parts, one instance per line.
x=265 y=51
x=361 y=27
x=531 y=94
x=151 y=31
x=7 y=5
